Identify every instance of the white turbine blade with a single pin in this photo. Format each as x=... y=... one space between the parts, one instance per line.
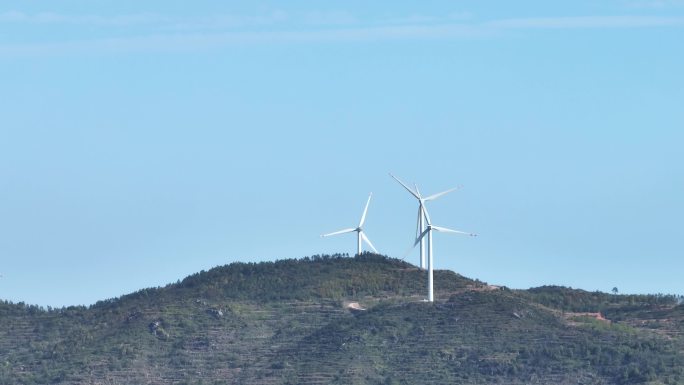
x=365 y=238
x=350 y=230
x=424 y=233
x=418 y=222
x=427 y=216
x=405 y=186
x=445 y=230
x=363 y=217
x=435 y=196
x=417 y=191
x=413 y=246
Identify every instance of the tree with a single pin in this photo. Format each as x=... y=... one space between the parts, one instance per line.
x=615 y=290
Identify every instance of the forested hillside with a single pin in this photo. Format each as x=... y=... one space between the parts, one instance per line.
x=341 y=320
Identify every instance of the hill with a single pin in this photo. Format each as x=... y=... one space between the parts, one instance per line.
x=289 y=322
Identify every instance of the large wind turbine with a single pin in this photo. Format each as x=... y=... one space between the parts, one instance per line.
x=360 y=235
x=428 y=231
x=422 y=213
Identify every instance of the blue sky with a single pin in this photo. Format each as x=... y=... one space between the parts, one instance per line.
x=141 y=143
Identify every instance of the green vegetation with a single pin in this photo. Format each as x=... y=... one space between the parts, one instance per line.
x=583 y=301
x=287 y=322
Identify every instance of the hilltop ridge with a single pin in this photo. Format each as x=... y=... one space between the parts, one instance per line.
x=317 y=277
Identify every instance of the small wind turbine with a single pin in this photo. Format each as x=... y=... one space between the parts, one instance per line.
x=428 y=231
x=360 y=235
x=422 y=213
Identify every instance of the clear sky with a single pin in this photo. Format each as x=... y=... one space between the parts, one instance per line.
x=141 y=142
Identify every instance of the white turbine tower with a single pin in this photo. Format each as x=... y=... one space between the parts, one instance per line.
x=428 y=231
x=360 y=235
x=421 y=213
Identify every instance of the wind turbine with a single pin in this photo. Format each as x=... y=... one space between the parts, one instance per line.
x=428 y=231
x=360 y=235
x=422 y=213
